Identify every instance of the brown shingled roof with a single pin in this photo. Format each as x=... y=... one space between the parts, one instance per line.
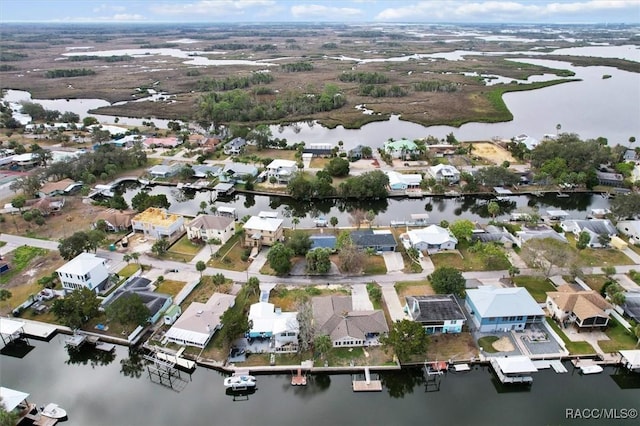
x=584 y=304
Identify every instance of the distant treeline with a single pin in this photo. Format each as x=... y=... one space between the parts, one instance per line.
x=381 y=91
x=435 y=86
x=113 y=58
x=5 y=67
x=364 y=77
x=228 y=46
x=73 y=72
x=297 y=67
x=12 y=56
x=160 y=46
x=235 y=82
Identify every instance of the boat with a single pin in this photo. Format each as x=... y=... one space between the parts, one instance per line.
x=53 y=411
x=591 y=369
x=240 y=382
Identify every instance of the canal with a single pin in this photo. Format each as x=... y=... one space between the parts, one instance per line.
x=116 y=391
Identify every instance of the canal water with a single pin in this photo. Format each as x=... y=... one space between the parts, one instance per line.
x=116 y=391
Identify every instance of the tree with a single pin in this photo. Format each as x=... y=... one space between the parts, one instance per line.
x=77 y=308
x=203 y=207
x=160 y=247
x=30 y=185
x=513 y=271
x=350 y=259
x=356 y=217
x=626 y=206
x=370 y=216
x=338 y=167
x=375 y=293
x=18 y=202
x=493 y=208
x=299 y=242
x=128 y=309
x=279 y=258
x=236 y=323
x=252 y=287
x=295 y=221
x=496 y=176
x=545 y=253
x=200 y=267
x=318 y=261
x=333 y=221
x=136 y=256
x=447 y=280
x=322 y=344
x=370 y=185
x=74 y=245
x=462 y=229
x=583 y=240
x=407 y=338
x=127 y=258
x=636 y=331
x=305 y=322
x=609 y=270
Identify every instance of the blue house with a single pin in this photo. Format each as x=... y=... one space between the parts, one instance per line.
x=502 y=309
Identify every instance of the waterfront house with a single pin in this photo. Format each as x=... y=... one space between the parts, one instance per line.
x=596 y=228
x=205 y=170
x=528 y=141
x=631 y=305
x=495 y=234
x=356 y=154
x=115 y=220
x=170 y=142
x=334 y=316
x=318 y=149
x=281 y=328
x=323 y=241
x=157 y=223
x=502 y=309
x=199 y=322
x=260 y=230
x=208 y=227
x=378 y=240
x=431 y=239
x=282 y=170
x=630 y=228
x=437 y=314
x=52 y=189
x=85 y=270
x=444 y=173
x=584 y=309
x=402 y=149
x=164 y=171
x=539 y=231
x=609 y=178
x=441 y=150
x=157 y=303
x=403 y=182
x=235 y=146
x=238 y=173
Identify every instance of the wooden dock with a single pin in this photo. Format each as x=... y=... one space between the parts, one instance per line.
x=367 y=385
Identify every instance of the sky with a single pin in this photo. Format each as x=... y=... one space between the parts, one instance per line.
x=427 y=11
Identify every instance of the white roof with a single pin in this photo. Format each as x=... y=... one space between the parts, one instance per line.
x=632 y=357
x=226 y=209
x=24 y=157
x=81 y=264
x=270 y=214
x=282 y=164
x=516 y=364
x=9 y=326
x=265 y=319
x=444 y=169
x=432 y=234
x=492 y=302
x=11 y=398
x=263 y=224
x=557 y=213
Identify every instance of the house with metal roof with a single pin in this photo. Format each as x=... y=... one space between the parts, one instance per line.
x=431 y=239
x=259 y=231
x=199 y=322
x=164 y=170
x=205 y=170
x=323 y=241
x=594 y=227
x=584 y=309
x=378 y=240
x=402 y=182
x=209 y=227
x=436 y=313
x=281 y=328
x=402 y=148
x=238 y=172
x=502 y=309
x=235 y=146
x=334 y=316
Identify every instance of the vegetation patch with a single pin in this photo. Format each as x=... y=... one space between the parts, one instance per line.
x=619 y=338
x=231 y=256
x=574 y=348
x=536 y=286
x=459 y=346
x=486 y=343
x=413 y=288
x=374 y=265
x=22 y=256
x=171 y=287
x=128 y=270
x=595 y=282
x=185 y=249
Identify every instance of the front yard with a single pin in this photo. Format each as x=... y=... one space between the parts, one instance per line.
x=536 y=286
x=620 y=338
x=413 y=288
x=183 y=250
x=230 y=256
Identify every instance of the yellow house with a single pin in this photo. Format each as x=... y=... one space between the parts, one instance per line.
x=260 y=230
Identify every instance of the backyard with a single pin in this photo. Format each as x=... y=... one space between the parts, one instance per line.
x=536 y=286
x=619 y=337
x=574 y=348
x=453 y=347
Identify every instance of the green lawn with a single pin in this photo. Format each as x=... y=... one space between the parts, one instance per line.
x=230 y=256
x=595 y=282
x=21 y=257
x=170 y=287
x=128 y=270
x=183 y=250
x=536 y=286
x=467 y=260
x=374 y=265
x=486 y=343
x=574 y=348
x=620 y=338
x=598 y=257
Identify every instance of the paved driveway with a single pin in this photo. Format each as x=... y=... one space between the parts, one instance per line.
x=393 y=261
x=393 y=302
x=360 y=298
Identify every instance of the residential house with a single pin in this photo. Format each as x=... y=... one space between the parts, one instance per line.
x=172 y=314
x=238 y=172
x=323 y=241
x=444 y=173
x=281 y=328
x=170 y=142
x=356 y=154
x=539 y=231
x=631 y=305
x=199 y=322
x=431 y=239
x=635 y=173
x=116 y=220
x=441 y=150
x=164 y=170
x=584 y=309
x=596 y=228
x=157 y=223
x=630 y=155
x=437 y=314
x=52 y=189
x=528 y=141
x=259 y=231
x=495 y=234
x=403 y=182
x=630 y=228
x=85 y=270
x=282 y=170
x=318 y=149
x=208 y=227
x=609 y=178
x=502 y=309
x=334 y=316
x=235 y=146
x=205 y=170
x=157 y=303
x=224 y=189
x=378 y=240
x=402 y=149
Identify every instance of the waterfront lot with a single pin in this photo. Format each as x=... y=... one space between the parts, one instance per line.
x=536 y=286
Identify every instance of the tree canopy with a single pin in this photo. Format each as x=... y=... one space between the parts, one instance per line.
x=338 y=167
x=299 y=242
x=447 y=280
x=279 y=258
x=128 y=309
x=80 y=241
x=462 y=229
x=367 y=185
x=77 y=308
x=407 y=338
x=626 y=206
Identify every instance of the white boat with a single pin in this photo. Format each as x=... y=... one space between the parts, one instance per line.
x=240 y=382
x=591 y=369
x=54 y=411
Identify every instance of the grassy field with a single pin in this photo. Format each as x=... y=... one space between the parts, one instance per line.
x=574 y=348
x=620 y=338
x=128 y=270
x=597 y=257
x=451 y=347
x=19 y=259
x=536 y=286
x=374 y=265
x=230 y=256
x=486 y=343
x=595 y=282
x=413 y=288
x=171 y=287
x=184 y=249
x=466 y=260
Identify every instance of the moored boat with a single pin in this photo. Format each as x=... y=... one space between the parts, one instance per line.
x=54 y=411
x=244 y=381
x=591 y=369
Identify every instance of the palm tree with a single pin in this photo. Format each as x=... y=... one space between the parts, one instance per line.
x=558 y=127
x=127 y=258
x=295 y=221
x=136 y=256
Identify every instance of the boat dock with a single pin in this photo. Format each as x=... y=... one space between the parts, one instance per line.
x=368 y=384
x=299 y=379
x=105 y=347
x=76 y=340
x=556 y=364
x=514 y=369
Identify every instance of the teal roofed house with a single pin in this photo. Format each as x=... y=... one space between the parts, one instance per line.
x=402 y=148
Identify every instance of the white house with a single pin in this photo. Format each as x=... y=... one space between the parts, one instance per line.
x=235 y=146
x=444 y=173
x=157 y=223
x=594 y=227
x=402 y=182
x=584 y=309
x=208 y=227
x=282 y=170
x=432 y=239
x=84 y=270
x=630 y=228
x=282 y=328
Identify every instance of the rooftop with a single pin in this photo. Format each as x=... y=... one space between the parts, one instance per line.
x=434 y=308
x=492 y=302
x=206 y=221
x=81 y=264
x=263 y=223
x=157 y=216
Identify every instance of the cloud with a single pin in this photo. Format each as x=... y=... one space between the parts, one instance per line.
x=499 y=10
x=210 y=7
x=118 y=17
x=108 y=7
x=319 y=11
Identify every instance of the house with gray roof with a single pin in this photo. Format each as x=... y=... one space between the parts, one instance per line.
x=235 y=146
x=502 y=309
x=209 y=227
x=157 y=303
x=437 y=314
x=334 y=316
x=164 y=170
x=444 y=173
x=596 y=228
x=205 y=170
x=378 y=240
x=238 y=172
x=494 y=234
x=539 y=231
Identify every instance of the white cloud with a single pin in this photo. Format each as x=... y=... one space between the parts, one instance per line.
x=107 y=7
x=118 y=17
x=210 y=7
x=126 y=17
x=319 y=11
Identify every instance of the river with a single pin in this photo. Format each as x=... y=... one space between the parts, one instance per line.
x=95 y=392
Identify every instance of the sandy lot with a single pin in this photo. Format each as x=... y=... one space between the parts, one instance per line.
x=492 y=153
x=503 y=344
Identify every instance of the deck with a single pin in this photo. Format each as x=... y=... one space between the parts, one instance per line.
x=367 y=385
x=513 y=369
x=556 y=364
